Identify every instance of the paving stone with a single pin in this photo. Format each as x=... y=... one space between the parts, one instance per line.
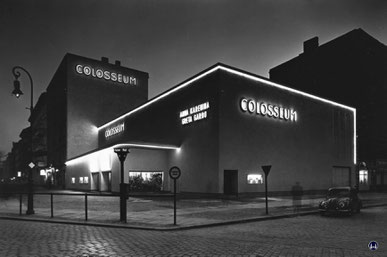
x=299 y=236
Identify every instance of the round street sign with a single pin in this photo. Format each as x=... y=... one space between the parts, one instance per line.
x=174 y=172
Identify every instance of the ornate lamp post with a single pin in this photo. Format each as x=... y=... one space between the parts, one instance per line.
x=17 y=92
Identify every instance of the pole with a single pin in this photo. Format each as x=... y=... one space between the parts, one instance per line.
x=174 y=173
x=123 y=216
x=86 y=206
x=121 y=153
x=174 y=202
x=52 y=206
x=267 y=208
x=30 y=204
x=266 y=170
x=21 y=203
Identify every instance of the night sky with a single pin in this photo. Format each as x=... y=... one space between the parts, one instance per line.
x=171 y=39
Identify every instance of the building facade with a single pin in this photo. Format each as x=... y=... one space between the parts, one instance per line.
x=38 y=120
x=350 y=69
x=82 y=94
x=219 y=127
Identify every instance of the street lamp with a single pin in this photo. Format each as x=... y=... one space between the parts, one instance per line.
x=17 y=92
x=121 y=153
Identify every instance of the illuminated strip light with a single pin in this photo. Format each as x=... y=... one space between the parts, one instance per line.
x=248 y=76
x=160 y=97
x=166 y=147
x=304 y=94
x=354 y=138
x=86 y=157
x=283 y=87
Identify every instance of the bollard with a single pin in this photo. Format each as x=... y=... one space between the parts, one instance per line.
x=52 y=206
x=21 y=204
x=86 y=207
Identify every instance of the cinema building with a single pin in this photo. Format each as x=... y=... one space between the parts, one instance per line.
x=219 y=127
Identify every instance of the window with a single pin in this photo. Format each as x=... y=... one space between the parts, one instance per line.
x=86 y=180
x=145 y=175
x=254 y=179
x=363 y=176
x=146 y=181
x=72 y=180
x=80 y=180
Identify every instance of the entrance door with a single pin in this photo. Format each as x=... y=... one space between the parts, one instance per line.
x=95 y=181
x=106 y=183
x=230 y=182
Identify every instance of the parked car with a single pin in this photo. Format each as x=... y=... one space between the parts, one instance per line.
x=341 y=200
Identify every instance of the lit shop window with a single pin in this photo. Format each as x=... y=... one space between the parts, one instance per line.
x=72 y=180
x=80 y=180
x=363 y=176
x=86 y=180
x=146 y=176
x=254 y=179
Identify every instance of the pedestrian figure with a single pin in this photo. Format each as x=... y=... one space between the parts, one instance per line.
x=297 y=193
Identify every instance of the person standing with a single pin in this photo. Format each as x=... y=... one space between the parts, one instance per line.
x=297 y=193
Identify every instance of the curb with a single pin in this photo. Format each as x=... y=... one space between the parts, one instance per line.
x=174 y=228
x=177 y=227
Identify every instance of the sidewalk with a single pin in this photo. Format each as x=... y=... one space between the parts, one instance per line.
x=157 y=213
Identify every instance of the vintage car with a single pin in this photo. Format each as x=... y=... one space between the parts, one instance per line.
x=341 y=200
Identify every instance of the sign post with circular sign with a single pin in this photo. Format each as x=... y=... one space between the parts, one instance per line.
x=174 y=173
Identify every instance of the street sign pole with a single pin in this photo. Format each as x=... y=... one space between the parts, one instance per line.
x=174 y=202
x=30 y=201
x=174 y=173
x=266 y=169
x=267 y=207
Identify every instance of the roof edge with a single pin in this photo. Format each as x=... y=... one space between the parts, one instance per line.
x=211 y=69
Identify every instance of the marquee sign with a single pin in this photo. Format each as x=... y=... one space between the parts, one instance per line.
x=195 y=113
x=268 y=110
x=99 y=73
x=114 y=130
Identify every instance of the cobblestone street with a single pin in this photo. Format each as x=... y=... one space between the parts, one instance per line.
x=311 y=235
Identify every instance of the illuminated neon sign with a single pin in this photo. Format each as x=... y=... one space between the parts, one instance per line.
x=105 y=74
x=195 y=113
x=114 y=130
x=269 y=110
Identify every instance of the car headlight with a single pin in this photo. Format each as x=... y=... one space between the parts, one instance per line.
x=342 y=204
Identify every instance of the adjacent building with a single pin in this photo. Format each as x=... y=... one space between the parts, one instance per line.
x=350 y=69
x=38 y=120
